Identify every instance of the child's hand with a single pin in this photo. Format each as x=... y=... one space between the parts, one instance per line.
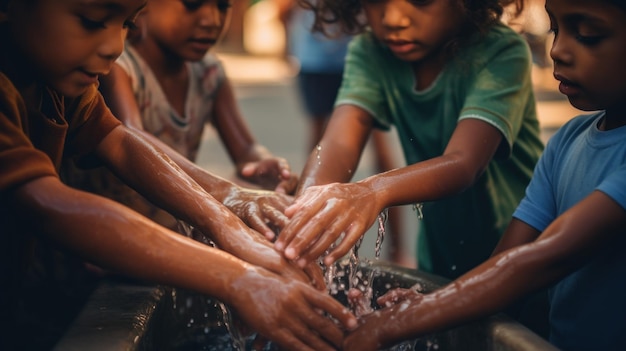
x=270 y=174
x=261 y=210
x=290 y=313
x=321 y=215
x=374 y=327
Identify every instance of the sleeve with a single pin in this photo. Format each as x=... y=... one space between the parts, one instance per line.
x=90 y=122
x=20 y=161
x=615 y=186
x=360 y=85
x=211 y=75
x=130 y=65
x=502 y=93
x=538 y=207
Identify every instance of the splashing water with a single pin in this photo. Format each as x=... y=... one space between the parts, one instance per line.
x=418 y=208
x=340 y=278
x=318 y=149
x=238 y=340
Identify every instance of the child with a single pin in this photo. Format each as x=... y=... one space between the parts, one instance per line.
x=569 y=231
x=51 y=54
x=320 y=61
x=456 y=84
x=166 y=87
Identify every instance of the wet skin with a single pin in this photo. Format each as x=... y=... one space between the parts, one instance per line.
x=63 y=44
x=327 y=206
x=589 y=51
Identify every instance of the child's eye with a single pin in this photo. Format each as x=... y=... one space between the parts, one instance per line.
x=224 y=5
x=588 y=40
x=191 y=5
x=130 y=25
x=91 y=24
x=420 y=2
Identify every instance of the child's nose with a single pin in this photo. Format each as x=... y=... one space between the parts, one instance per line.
x=113 y=45
x=394 y=17
x=209 y=15
x=559 y=52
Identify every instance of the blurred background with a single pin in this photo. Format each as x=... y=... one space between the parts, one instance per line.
x=253 y=53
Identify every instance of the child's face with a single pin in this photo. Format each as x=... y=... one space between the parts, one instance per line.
x=186 y=28
x=414 y=30
x=71 y=42
x=589 y=52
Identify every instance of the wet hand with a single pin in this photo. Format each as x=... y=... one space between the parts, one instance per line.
x=373 y=331
x=321 y=215
x=271 y=174
x=261 y=210
x=289 y=312
x=253 y=248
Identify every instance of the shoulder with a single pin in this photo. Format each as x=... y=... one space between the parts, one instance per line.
x=577 y=125
x=499 y=43
x=209 y=68
x=9 y=95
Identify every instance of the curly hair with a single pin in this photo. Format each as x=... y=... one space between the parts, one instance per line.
x=348 y=14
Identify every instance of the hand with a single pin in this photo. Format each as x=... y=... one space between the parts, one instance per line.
x=251 y=247
x=320 y=215
x=270 y=174
x=370 y=335
x=289 y=312
x=260 y=210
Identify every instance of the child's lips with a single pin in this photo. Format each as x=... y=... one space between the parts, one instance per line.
x=400 y=46
x=203 y=43
x=567 y=87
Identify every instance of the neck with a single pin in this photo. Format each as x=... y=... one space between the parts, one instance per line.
x=613 y=118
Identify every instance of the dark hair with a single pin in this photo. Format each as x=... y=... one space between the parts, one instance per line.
x=619 y=3
x=347 y=14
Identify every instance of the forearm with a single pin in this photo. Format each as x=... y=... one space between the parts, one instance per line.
x=428 y=180
x=111 y=235
x=170 y=187
x=329 y=162
x=217 y=186
x=485 y=290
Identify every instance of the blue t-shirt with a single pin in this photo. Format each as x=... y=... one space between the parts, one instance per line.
x=315 y=52
x=588 y=307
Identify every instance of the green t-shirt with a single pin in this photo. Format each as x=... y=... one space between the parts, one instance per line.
x=488 y=79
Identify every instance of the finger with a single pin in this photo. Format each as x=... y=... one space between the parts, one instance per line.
x=275 y=216
x=289 y=232
x=314 y=271
x=353 y=234
x=331 y=306
x=324 y=227
x=326 y=239
x=249 y=169
x=325 y=331
x=256 y=223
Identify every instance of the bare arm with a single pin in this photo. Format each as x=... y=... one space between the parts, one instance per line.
x=161 y=181
x=567 y=244
x=117 y=90
x=253 y=161
x=111 y=235
x=353 y=208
